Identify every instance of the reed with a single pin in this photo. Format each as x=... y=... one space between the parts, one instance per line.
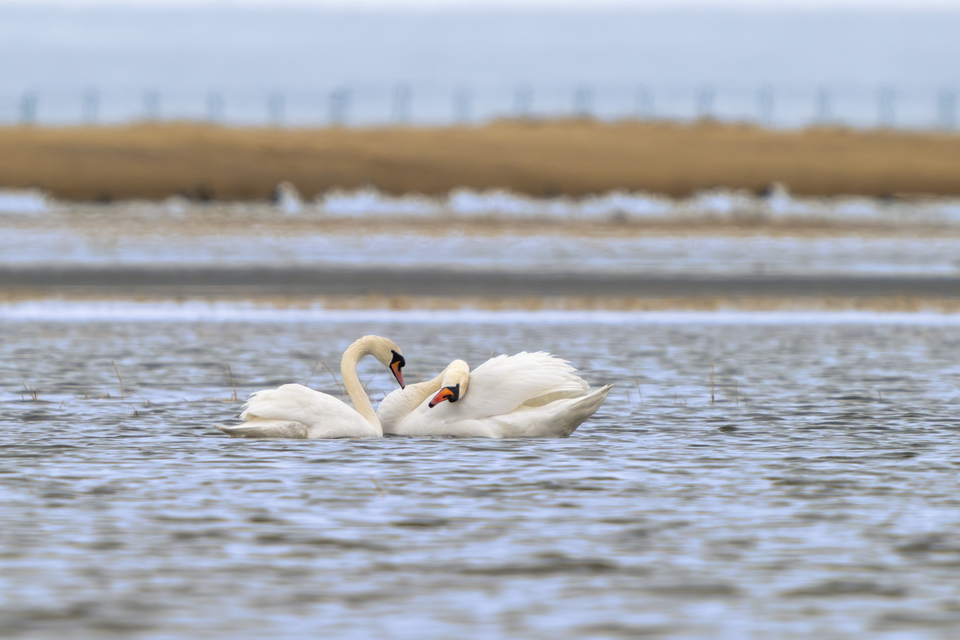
x=117 y=371
x=232 y=381
x=712 y=375
x=313 y=372
x=343 y=391
x=379 y=488
x=33 y=393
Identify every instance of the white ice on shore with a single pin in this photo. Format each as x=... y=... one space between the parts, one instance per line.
x=288 y=199
x=620 y=206
x=23 y=201
x=718 y=204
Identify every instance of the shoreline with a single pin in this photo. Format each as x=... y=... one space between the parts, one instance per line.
x=451 y=287
x=572 y=158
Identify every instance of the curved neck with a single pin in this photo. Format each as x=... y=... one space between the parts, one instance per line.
x=351 y=382
x=417 y=393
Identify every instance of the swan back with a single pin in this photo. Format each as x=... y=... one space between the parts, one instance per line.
x=321 y=415
x=502 y=384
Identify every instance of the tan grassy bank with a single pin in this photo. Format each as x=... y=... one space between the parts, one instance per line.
x=537 y=158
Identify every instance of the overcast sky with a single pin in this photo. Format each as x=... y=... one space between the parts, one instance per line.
x=564 y=4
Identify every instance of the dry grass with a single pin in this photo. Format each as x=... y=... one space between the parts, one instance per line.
x=573 y=157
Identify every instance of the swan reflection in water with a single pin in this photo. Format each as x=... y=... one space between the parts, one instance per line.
x=527 y=395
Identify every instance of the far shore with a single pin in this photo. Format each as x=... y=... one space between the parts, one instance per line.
x=537 y=158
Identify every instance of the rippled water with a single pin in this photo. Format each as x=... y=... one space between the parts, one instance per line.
x=259 y=235
x=817 y=495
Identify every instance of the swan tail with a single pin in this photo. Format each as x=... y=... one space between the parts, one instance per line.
x=556 y=420
x=266 y=429
x=582 y=409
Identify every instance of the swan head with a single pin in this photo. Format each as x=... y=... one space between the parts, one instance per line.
x=388 y=353
x=456 y=378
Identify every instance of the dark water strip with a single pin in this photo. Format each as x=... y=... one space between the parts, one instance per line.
x=260 y=281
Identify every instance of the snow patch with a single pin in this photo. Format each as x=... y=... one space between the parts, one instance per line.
x=23 y=201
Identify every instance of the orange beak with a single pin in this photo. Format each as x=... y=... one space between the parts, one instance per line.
x=445 y=394
x=395 y=368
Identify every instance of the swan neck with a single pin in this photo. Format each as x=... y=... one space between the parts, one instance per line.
x=423 y=390
x=351 y=382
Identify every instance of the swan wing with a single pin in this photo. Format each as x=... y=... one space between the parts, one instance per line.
x=557 y=419
x=293 y=402
x=502 y=384
x=322 y=415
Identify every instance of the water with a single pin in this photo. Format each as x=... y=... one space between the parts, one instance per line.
x=814 y=497
x=300 y=66
x=735 y=235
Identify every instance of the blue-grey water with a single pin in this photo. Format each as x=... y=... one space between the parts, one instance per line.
x=832 y=237
x=815 y=497
x=255 y=65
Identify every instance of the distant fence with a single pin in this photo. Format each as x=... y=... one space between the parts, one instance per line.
x=409 y=103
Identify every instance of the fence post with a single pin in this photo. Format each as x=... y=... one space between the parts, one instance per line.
x=824 y=115
x=705 y=102
x=522 y=100
x=339 y=103
x=643 y=103
x=765 y=105
x=89 y=111
x=151 y=105
x=885 y=107
x=276 y=108
x=214 y=107
x=462 y=105
x=28 y=108
x=583 y=102
x=401 y=104
x=947 y=107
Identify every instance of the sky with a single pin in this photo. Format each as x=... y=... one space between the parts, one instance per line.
x=531 y=4
x=60 y=51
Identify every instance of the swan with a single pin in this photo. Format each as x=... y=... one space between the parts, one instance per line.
x=296 y=411
x=527 y=395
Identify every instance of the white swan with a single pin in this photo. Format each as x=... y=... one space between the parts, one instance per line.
x=529 y=395
x=296 y=411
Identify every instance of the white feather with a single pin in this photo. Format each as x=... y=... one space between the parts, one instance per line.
x=533 y=395
x=273 y=412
